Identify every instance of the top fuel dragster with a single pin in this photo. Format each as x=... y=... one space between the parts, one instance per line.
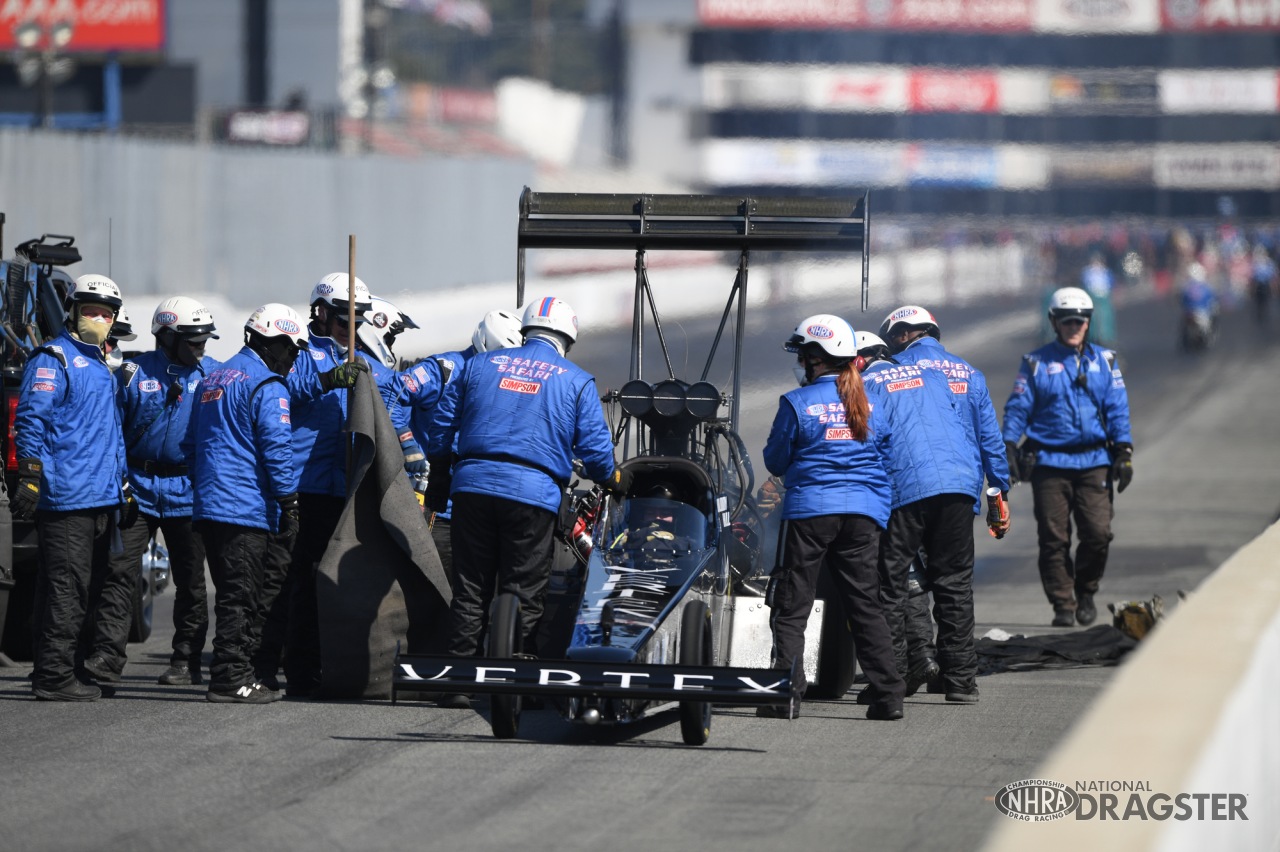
x=656 y=598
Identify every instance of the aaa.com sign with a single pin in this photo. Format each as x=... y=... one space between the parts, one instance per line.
x=97 y=25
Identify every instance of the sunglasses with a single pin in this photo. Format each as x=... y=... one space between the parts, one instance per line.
x=1072 y=321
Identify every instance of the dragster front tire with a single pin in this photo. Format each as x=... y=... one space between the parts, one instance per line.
x=504 y=642
x=695 y=650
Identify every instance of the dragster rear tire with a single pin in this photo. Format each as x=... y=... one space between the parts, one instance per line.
x=504 y=641
x=695 y=650
x=836 y=662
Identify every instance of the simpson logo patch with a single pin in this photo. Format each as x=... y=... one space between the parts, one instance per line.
x=149 y=385
x=959 y=387
x=44 y=373
x=519 y=386
x=211 y=395
x=840 y=433
x=906 y=384
x=42 y=386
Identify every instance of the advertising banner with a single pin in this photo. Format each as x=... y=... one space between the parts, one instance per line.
x=1097 y=16
x=952 y=165
x=971 y=15
x=854 y=89
x=1220 y=15
x=1250 y=91
x=1101 y=166
x=954 y=91
x=96 y=25
x=1217 y=167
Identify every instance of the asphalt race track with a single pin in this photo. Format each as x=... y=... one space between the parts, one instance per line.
x=159 y=768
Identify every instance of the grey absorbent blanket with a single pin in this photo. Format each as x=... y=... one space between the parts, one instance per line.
x=380 y=583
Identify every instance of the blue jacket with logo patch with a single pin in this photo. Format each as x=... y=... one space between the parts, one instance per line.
x=68 y=418
x=239 y=444
x=967 y=382
x=520 y=417
x=1063 y=419
x=426 y=382
x=827 y=471
x=932 y=451
x=155 y=426
x=319 y=418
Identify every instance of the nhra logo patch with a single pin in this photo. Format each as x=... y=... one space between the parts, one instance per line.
x=518 y=386
x=820 y=331
x=840 y=433
x=80 y=361
x=166 y=318
x=906 y=384
x=816 y=409
x=316 y=354
x=324 y=289
x=1036 y=800
x=500 y=360
x=211 y=395
x=902 y=314
x=149 y=385
x=959 y=387
x=288 y=326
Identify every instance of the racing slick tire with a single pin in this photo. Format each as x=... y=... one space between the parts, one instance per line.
x=504 y=641
x=143 y=608
x=836 y=663
x=695 y=650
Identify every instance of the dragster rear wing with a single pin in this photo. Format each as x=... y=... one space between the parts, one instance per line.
x=587 y=678
x=692 y=222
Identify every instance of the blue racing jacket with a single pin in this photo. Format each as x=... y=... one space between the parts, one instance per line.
x=1068 y=422
x=827 y=471
x=239 y=444
x=520 y=417
x=155 y=422
x=67 y=418
x=968 y=382
x=932 y=451
x=319 y=444
x=425 y=383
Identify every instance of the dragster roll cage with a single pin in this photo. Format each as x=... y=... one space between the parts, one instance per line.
x=551 y=220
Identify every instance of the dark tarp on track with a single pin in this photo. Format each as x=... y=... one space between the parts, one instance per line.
x=1102 y=645
x=380 y=582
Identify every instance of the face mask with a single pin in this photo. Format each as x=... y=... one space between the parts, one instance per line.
x=93 y=331
x=801 y=378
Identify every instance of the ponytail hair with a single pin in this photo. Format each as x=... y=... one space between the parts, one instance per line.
x=857 y=411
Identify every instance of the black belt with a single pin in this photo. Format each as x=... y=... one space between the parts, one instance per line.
x=151 y=467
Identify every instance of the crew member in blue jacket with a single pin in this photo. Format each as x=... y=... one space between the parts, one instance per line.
x=245 y=486
x=520 y=417
x=72 y=476
x=829 y=445
x=1070 y=401
x=933 y=464
x=156 y=390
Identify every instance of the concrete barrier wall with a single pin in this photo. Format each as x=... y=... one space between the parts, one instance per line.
x=1195 y=710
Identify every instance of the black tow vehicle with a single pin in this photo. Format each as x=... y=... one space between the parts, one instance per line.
x=657 y=598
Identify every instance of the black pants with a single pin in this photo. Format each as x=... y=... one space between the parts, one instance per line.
x=113 y=615
x=320 y=514
x=1062 y=496
x=499 y=546
x=846 y=545
x=235 y=561
x=269 y=630
x=919 y=620
x=943 y=526
x=73 y=546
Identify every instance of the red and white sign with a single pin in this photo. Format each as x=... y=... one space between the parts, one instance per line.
x=97 y=25
x=854 y=89
x=269 y=127
x=1220 y=14
x=983 y=15
x=954 y=91
x=781 y=13
x=468 y=106
x=1251 y=91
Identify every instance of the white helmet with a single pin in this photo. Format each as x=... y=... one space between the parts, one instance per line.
x=498 y=330
x=1070 y=302
x=185 y=316
x=277 y=320
x=384 y=316
x=909 y=317
x=333 y=290
x=828 y=332
x=870 y=344
x=96 y=288
x=552 y=314
x=122 y=328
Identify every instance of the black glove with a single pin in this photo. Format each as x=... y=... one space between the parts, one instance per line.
x=1122 y=466
x=619 y=483
x=1015 y=470
x=290 y=516
x=415 y=461
x=344 y=375
x=26 y=496
x=439 y=482
x=128 y=507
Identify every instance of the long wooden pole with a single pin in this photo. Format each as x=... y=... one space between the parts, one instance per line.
x=351 y=297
